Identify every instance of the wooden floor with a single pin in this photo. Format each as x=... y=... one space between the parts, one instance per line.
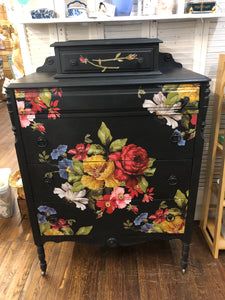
x=81 y=272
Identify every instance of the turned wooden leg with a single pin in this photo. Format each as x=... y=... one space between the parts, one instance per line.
x=41 y=256
x=184 y=258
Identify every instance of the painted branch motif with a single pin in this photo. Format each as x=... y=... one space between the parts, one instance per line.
x=100 y=63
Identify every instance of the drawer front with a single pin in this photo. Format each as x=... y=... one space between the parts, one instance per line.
x=60 y=183
x=155 y=218
x=74 y=61
x=102 y=133
x=168 y=98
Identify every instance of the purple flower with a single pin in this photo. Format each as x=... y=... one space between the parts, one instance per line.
x=181 y=142
x=41 y=219
x=59 y=151
x=63 y=165
x=146 y=227
x=48 y=211
x=139 y=219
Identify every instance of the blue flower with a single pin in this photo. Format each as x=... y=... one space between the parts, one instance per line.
x=63 y=165
x=139 y=219
x=181 y=142
x=146 y=227
x=59 y=151
x=48 y=211
x=41 y=219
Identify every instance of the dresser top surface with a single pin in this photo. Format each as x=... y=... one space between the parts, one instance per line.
x=38 y=80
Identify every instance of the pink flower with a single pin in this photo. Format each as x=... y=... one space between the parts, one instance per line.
x=53 y=111
x=149 y=195
x=120 y=197
x=80 y=151
x=83 y=60
x=194 y=119
x=26 y=115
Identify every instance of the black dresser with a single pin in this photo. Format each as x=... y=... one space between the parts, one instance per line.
x=109 y=138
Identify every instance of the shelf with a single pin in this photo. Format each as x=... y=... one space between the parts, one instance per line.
x=122 y=19
x=211 y=228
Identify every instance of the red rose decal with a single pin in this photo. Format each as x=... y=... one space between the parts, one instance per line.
x=80 y=151
x=133 y=160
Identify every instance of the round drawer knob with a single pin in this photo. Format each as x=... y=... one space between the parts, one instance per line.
x=48 y=180
x=73 y=62
x=112 y=242
x=172 y=180
x=42 y=142
x=175 y=137
x=140 y=60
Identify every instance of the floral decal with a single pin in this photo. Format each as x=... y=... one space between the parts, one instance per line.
x=164 y=219
x=102 y=63
x=50 y=224
x=172 y=105
x=105 y=176
x=32 y=102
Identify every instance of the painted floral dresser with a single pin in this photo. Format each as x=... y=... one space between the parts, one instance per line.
x=109 y=138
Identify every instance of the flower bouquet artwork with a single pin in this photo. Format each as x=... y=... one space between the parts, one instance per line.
x=106 y=176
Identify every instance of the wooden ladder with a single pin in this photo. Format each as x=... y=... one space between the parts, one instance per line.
x=211 y=227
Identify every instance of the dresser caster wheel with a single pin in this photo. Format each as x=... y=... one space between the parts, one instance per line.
x=43 y=273
x=112 y=242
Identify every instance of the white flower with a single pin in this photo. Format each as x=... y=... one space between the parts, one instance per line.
x=163 y=111
x=75 y=197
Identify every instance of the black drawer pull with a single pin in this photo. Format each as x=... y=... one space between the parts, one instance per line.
x=48 y=180
x=175 y=137
x=42 y=142
x=141 y=60
x=172 y=180
x=112 y=242
x=73 y=62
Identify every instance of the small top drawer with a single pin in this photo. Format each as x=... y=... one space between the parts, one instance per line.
x=106 y=56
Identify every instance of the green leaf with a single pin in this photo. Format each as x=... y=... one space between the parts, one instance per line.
x=73 y=178
x=163 y=205
x=170 y=87
x=95 y=194
x=157 y=228
x=118 y=55
x=46 y=96
x=91 y=203
x=117 y=145
x=174 y=211
x=180 y=199
x=44 y=227
x=41 y=160
x=172 y=98
x=71 y=221
x=84 y=230
x=149 y=172
x=185 y=121
x=128 y=224
x=143 y=183
x=87 y=139
x=77 y=186
x=78 y=167
x=67 y=230
x=104 y=134
x=96 y=149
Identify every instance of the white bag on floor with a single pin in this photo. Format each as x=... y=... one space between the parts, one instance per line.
x=6 y=201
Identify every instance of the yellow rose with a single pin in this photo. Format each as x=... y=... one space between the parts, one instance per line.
x=175 y=226
x=189 y=90
x=100 y=173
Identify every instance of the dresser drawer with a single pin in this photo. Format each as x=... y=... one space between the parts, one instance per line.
x=167 y=177
x=74 y=61
x=101 y=57
x=144 y=130
x=154 y=98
